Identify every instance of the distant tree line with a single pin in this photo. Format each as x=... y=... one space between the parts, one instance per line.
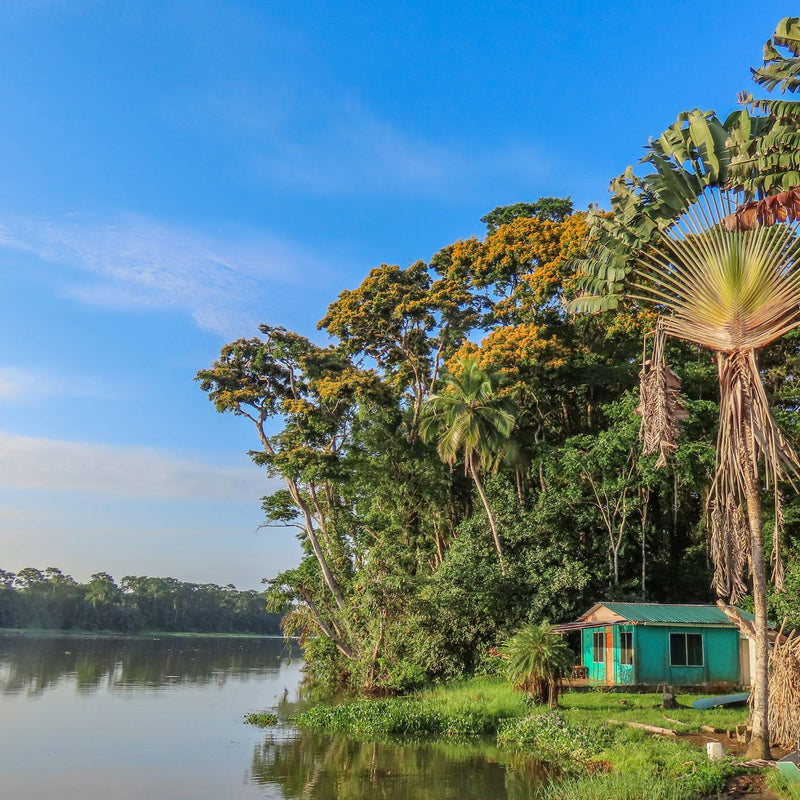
x=33 y=598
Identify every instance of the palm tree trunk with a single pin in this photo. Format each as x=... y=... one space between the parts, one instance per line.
x=759 y=742
x=489 y=514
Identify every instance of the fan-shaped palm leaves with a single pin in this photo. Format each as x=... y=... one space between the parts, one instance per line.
x=471 y=421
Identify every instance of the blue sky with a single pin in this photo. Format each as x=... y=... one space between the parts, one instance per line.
x=173 y=173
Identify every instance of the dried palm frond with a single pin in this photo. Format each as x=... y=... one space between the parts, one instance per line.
x=747 y=435
x=660 y=404
x=782 y=207
x=784 y=690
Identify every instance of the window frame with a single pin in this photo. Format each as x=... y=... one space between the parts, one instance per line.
x=686 y=663
x=626 y=652
x=602 y=649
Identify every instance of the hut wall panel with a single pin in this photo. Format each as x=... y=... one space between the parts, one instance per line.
x=720 y=656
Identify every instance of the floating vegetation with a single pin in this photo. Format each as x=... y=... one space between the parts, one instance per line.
x=261 y=719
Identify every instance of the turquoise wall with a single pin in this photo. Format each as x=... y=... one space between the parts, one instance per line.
x=651 y=656
x=720 y=656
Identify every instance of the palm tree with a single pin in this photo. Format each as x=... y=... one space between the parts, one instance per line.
x=472 y=421
x=537 y=661
x=732 y=290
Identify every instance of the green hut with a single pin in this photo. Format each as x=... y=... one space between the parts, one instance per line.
x=650 y=644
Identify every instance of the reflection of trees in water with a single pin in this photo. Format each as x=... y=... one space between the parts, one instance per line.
x=314 y=767
x=34 y=663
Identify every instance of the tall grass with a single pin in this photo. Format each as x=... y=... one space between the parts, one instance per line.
x=645 y=768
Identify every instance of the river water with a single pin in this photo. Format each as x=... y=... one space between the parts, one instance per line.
x=141 y=718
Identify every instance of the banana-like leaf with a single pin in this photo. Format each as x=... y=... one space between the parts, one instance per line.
x=779 y=71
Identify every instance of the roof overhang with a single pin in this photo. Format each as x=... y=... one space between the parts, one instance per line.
x=577 y=626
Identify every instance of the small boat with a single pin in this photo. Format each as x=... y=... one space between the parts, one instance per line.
x=789 y=766
x=722 y=701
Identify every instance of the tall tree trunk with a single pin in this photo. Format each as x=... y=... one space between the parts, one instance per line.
x=645 y=508
x=759 y=742
x=308 y=524
x=308 y=520
x=489 y=514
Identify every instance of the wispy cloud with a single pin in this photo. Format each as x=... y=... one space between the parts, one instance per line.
x=28 y=384
x=134 y=262
x=331 y=147
x=28 y=462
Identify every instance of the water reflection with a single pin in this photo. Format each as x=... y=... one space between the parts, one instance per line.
x=314 y=767
x=162 y=718
x=32 y=664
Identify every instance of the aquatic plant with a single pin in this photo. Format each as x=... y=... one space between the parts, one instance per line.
x=261 y=719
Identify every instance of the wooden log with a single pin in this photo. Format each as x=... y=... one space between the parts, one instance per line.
x=642 y=726
x=712 y=729
x=744 y=625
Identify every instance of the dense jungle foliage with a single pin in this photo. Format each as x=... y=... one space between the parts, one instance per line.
x=49 y=599
x=463 y=457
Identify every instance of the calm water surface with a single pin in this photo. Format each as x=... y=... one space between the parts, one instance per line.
x=139 y=718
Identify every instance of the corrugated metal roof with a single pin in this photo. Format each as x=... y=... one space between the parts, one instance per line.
x=672 y=614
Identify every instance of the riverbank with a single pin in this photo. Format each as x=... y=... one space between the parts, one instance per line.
x=596 y=759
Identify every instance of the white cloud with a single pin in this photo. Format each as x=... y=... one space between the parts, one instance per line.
x=330 y=147
x=26 y=384
x=37 y=463
x=135 y=262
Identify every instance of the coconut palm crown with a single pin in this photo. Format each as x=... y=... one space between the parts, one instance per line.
x=470 y=420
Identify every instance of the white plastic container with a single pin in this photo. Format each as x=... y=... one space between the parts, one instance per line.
x=714 y=751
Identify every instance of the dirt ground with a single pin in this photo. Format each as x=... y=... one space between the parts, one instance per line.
x=730 y=746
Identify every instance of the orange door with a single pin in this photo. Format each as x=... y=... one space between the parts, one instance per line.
x=610 y=655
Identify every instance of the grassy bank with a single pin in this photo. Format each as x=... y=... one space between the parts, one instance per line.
x=598 y=760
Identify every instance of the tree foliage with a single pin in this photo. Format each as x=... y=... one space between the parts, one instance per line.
x=537 y=662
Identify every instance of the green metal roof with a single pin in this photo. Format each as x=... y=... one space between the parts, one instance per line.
x=672 y=614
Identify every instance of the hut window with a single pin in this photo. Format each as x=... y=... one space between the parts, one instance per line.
x=686 y=650
x=598 y=647
x=625 y=647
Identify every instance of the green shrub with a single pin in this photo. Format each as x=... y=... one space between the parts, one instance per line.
x=551 y=736
x=397 y=716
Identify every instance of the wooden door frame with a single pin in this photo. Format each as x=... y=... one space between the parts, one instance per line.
x=609 y=655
